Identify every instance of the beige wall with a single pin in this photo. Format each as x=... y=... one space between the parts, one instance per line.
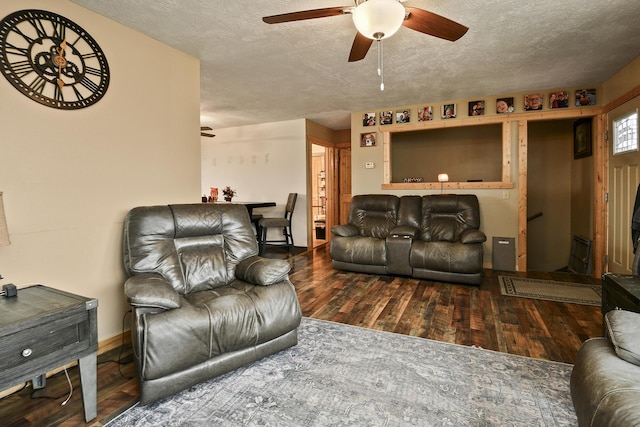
x=69 y=177
x=262 y=162
x=499 y=207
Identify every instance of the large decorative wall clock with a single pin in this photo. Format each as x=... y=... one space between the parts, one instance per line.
x=52 y=60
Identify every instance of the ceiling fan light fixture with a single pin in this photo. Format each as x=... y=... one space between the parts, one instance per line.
x=378 y=19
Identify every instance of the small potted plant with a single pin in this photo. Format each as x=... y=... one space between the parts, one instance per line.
x=228 y=193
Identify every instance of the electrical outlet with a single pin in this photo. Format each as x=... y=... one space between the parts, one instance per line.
x=505 y=194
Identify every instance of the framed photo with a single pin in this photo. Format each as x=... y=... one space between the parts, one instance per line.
x=403 y=116
x=448 y=111
x=504 y=105
x=582 y=138
x=369 y=119
x=585 y=97
x=533 y=102
x=559 y=99
x=476 y=108
x=368 y=139
x=386 y=117
x=425 y=114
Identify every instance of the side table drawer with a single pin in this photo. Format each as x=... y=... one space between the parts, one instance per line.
x=70 y=334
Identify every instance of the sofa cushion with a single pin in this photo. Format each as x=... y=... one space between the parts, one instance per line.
x=446 y=257
x=374 y=214
x=359 y=250
x=623 y=328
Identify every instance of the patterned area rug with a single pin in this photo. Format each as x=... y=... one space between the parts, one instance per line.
x=340 y=375
x=551 y=290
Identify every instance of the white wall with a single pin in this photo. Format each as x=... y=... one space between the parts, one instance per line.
x=70 y=177
x=262 y=162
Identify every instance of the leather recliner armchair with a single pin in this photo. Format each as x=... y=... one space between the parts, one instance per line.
x=203 y=302
x=434 y=237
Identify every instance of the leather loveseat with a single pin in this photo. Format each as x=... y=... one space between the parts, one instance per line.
x=203 y=302
x=605 y=380
x=433 y=237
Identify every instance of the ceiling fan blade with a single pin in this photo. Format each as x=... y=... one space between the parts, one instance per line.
x=208 y=135
x=360 y=47
x=307 y=14
x=433 y=24
x=205 y=128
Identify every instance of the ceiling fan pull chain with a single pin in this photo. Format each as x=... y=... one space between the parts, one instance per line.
x=381 y=63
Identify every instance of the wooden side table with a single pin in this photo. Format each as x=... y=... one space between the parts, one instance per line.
x=620 y=291
x=44 y=328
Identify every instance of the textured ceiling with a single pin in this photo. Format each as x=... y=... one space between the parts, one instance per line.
x=252 y=72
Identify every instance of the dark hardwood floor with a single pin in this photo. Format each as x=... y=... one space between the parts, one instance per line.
x=467 y=315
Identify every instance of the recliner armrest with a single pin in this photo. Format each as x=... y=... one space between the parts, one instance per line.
x=473 y=236
x=345 y=230
x=406 y=231
x=152 y=291
x=262 y=271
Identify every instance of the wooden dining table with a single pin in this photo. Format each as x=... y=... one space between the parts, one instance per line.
x=252 y=205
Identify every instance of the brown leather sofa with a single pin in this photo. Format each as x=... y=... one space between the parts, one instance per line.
x=433 y=237
x=203 y=302
x=605 y=380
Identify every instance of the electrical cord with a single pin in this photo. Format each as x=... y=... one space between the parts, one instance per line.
x=119 y=360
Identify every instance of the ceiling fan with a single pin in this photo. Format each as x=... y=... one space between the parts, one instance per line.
x=380 y=19
x=207 y=134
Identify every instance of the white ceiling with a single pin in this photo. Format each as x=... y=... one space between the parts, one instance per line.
x=252 y=72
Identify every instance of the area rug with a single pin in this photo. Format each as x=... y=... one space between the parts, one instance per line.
x=340 y=375
x=551 y=290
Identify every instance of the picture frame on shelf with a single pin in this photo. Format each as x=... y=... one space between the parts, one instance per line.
x=368 y=139
x=582 y=144
x=585 y=97
x=403 y=116
x=386 y=117
x=504 y=105
x=533 y=102
x=448 y=111
x=559 y=99
x=425 y=113
x=369 y=119
x=476 y=108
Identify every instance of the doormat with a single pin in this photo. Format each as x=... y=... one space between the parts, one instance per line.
x=551 y=290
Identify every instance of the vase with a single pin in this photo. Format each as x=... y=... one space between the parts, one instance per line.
x=227 y=198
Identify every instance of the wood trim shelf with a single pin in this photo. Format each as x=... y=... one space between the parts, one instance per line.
x=446 y=185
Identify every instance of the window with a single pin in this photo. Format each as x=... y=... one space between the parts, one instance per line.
x=625 y=133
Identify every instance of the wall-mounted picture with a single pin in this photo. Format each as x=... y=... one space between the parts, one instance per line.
x=533 y=102
x=504 y=105
x=476 y=108
x=368 y=139
x=403 y=116
x=386 y=117
x=585 y=97
x=559 y=99
x=369 y=119
x=582 y=138
x=448 y=111
x=425 y=113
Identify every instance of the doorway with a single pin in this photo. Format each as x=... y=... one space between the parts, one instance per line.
x=319 y=194
x=559 y=196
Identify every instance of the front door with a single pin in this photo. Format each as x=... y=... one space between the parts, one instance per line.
x=624 y=177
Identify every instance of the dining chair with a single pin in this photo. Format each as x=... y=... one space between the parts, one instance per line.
x=284 y=223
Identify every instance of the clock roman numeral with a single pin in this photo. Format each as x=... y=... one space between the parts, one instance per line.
x=38 y=84
x=39 y=27
x=26 y=37
x=57 y=93
x=59 y=30
x=78 y=94
x=93 y=71
x=15 y=50
x=89 y=55
x=22 y=68
x=86 y=82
